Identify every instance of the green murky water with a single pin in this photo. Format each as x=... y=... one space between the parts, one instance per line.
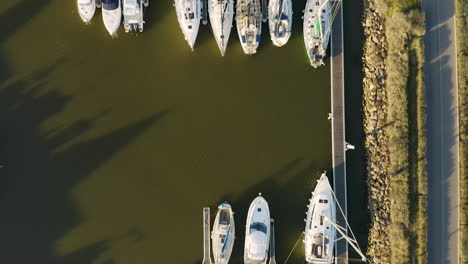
x=111 y=147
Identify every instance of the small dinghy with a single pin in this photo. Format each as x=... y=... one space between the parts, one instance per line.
x=257 y=232
x=223 y=234
x=111 y=15
x=86 y=9
x=320 y=233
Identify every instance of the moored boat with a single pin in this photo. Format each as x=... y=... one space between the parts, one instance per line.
x=257 y=232
x=111 y=15
x=133 y=14
x=320 y=232
x=249 y=24
x=280 y=21
x=189 y=14
x=318 y=16
x=221 y=13
x=223 y=234
x=86 y=9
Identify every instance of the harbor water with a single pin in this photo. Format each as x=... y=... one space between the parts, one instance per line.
x=111 y=147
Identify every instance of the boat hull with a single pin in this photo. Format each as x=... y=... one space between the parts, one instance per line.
x=317 y=22
x=86 y=9
x=320 y=234
x=189 y=26
x=257 y=232
x=223 y=234
x=249 y=24
x=221 y=13
x=112 y=18
x=280 y=16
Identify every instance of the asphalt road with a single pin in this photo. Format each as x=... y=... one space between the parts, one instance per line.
x=442 y=132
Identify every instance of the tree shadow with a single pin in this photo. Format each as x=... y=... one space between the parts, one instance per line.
x=19 y=15
x=353 y=35
x=41 y=168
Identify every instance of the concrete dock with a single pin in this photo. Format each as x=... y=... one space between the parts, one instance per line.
x=206 y=236
x=338 y=128
x=272 y=243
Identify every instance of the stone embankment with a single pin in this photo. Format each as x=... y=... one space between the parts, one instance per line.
x=376 y=142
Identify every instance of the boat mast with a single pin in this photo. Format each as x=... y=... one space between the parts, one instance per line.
x=331 y=19
x=350 y=241
x=280 y=14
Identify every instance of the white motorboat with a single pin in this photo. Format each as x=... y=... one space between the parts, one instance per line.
x=221 y=13
x=133 y=14
x=249 y=24
x=223 y=234
x=280 y=16
x=111 y=15
x=189 y=14
x=257 y=232
x=320 y=233
x=86 y=9
x=318 y=18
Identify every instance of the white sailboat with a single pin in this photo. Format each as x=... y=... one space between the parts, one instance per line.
x=86 y=9
x=280 y=16
x=321 y=229
x=221 y=13
x=189 y=14
x=249 y=24
x=111 y=15
x=133 y=15
x=319 y=232
x=257 y=232
x=223 y=234
x=318 y=18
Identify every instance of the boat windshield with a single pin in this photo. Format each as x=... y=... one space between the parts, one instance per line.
x=110 y=4
x=130 y=3
x=224 y=218
x=258 y=227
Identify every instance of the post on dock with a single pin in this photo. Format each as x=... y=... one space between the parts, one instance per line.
x=206 y=236
x=264 y=11
x=205 y=12
x=272 y=242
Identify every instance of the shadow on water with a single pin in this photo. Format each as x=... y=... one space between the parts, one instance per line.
x=18 y=15
x=156 y=11
x=287 y=192
x=358 y=214
x=40 y=169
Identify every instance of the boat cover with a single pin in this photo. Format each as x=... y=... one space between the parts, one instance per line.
x=110 y=4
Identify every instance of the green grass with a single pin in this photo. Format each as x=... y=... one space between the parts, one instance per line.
x=404 y=30
x=405 y=5
x=418 y=180
x=462 y=48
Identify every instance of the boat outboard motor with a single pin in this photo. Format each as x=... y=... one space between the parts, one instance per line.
x=133 y=14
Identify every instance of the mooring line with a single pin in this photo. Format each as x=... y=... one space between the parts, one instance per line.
x=290 y=253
